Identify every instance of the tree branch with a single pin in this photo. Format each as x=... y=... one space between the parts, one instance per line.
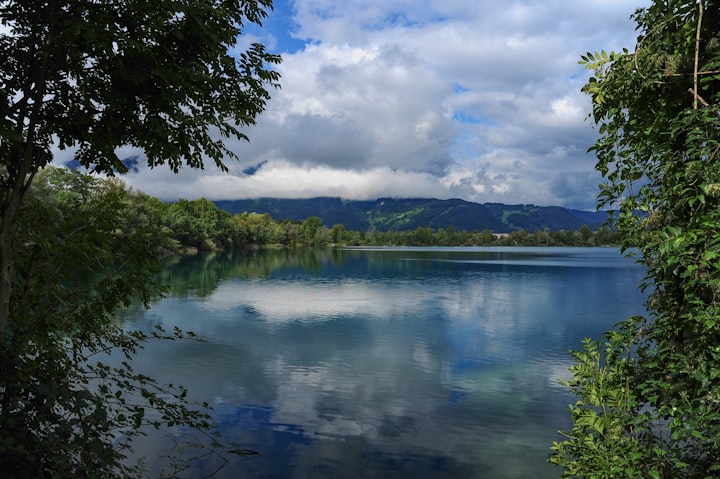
x=697 y=57
x=697 y=98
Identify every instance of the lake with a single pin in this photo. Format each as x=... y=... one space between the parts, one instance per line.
x=386 y=362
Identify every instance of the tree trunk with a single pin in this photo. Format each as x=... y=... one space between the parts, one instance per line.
x=6 y=277
x=21 y=174
x=8 y=224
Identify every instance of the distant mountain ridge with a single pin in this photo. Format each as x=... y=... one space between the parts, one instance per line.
x=407 y=214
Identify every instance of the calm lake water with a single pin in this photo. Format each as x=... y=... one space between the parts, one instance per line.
x=388 y=362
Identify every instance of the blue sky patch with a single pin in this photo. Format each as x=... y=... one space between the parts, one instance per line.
x=458 y=88
x=281 y=25
x=251 y=170
x=465 y=117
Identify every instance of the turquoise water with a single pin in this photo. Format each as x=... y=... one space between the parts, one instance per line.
x=387 y=362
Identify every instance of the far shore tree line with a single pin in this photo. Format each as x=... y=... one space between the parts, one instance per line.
x=199 y=225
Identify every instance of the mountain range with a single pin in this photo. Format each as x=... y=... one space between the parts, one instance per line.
x=408 y=214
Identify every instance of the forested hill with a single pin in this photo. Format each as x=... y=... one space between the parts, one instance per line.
x=386 y=214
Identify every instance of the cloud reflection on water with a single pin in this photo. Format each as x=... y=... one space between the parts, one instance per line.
x=446 y=371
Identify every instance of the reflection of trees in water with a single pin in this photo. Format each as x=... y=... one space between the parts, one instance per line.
x=200 y=274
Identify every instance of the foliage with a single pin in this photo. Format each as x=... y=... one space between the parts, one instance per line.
x=190 y=225
x=166 y=77
x=658 y=113
x=65 y=411
x=608 y=428
x=95 y=76
x=158 y=76
x=187 y=227
x=200 y=225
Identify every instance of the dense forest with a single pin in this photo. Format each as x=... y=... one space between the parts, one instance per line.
x=199 y=225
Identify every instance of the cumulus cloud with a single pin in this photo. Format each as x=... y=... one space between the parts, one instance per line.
x=281 y=179
x=422 y=98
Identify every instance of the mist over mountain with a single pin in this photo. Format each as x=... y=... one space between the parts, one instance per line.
x=406 y=214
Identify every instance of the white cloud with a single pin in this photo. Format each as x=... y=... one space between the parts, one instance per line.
x=286 y=180
x=432 y=98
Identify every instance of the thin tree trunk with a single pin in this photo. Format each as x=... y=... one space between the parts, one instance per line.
x=22 y=172
x=8 y=225
x=7 y=268
x=697 y=54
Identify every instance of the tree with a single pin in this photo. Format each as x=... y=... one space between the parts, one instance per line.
x=63 y=411
x=650 y=391
x=91 y=77
x=94 y=76
x=200 y=224
x=585 y=233
x=337 y=234
x=311 y=231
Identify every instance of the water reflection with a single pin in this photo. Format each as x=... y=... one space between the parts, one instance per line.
x=388 y=362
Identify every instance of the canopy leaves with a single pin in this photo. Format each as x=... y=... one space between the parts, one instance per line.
x=658 y=115
x=90 y=76
x=160 y=75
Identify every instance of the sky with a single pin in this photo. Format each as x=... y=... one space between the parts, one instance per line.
x=478 y=100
